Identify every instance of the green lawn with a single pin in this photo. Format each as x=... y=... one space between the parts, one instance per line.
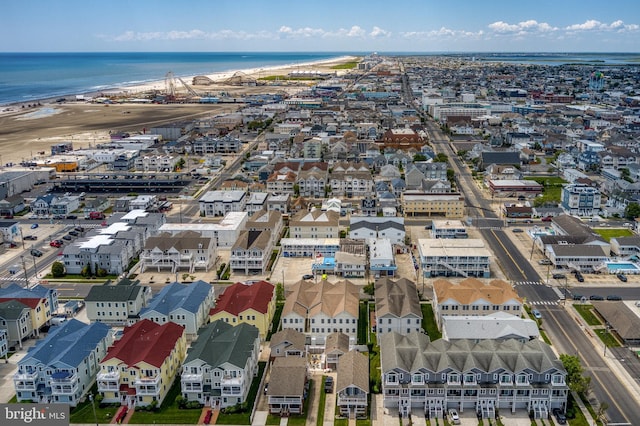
x=586 y=312
x=607 y=338
x=322 y=403
x=552 y=188
x=429 y=322
x=169 y=413
x=346 y=66
x=244 y=417
x=363 y=322
x=84 y=414
x=576 y=418
x=608 y=233
x=275 y=323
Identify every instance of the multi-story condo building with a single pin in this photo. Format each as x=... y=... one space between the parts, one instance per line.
x=351 y=184
x=580 y=200
x=183 y=251
x=254 y=304
x=315 y=224
x=371 y=227
x=251 y=252
x=312 y=183
x=281 y=182
x=156 y=163
x=221 y=364
x=397 y=306
x=219 y=203
x=117 y=305
x=453 y=257
x=62 y=367
x=139 y=369
x=270 y=221
x=473 y=297
x=449 y=205
x=421 y=377
x=186 y=305
x=15 y=319
x=320 y=309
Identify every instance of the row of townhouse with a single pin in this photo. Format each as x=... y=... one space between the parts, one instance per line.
x=128 y=302
x=421 y=377
x=113 y=247
x=140 y=365
x=25 y=312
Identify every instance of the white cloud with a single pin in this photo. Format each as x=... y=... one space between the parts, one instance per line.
x=524 y=27
x=595 y=25
x=378 y=32
x=187 y=35
x=442 y=32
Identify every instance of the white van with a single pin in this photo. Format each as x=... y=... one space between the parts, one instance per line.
x=58 y=320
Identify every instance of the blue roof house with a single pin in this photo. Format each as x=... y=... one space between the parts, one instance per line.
x=186 y=305
x=62 y=367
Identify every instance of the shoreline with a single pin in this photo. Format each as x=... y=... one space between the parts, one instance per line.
x=159 y=84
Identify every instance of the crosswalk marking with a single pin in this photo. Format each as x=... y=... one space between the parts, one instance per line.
x=528 y=283
x=542 y=302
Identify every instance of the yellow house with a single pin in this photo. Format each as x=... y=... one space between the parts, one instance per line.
x=140 y=367
x=40 y=310
x=253 y=304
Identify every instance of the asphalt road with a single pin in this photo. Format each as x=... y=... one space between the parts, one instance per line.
x=562 y=329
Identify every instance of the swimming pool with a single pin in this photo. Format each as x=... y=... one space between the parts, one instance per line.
x=622 y=267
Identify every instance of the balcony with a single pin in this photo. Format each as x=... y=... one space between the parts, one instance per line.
x=231 y=381
x=69 y=389
x=63 y=378
x=352 y=401
x=25 y=385
x=146 y=390
x=112 y=376
x=147 y=381
x=28 y=376
x=192 y=378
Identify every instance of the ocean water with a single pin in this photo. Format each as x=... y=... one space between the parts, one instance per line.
x=26 y=77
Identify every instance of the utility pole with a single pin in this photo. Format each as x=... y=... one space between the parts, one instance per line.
x=24 y=267
x=93 y=407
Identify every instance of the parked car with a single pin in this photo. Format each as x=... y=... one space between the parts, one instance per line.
x=622 y=277
x=544 y=262
x=55 y=243
x=614 y=297
x=30 y=237
x=266 y=388
x=72 y=216
x=454 y=417
x=577 y=296
x=307 y=277
x=36 y=252
x=536 y=314
x=558 y=276
x=328 y=384
x=516 y=230
x=74 y=233
x=561 y=419
x=546 y=219
x=34 y=225
x=67 y=237
x=579 y=277
x=79 y=228
x=596 y=297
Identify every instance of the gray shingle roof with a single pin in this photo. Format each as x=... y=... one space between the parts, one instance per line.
x=414 y=352
x=219 y=343
x=353 y=370
x=113 y=293
x=288 y=376
x=397 y=298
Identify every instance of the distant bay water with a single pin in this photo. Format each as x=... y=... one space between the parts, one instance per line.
x=26 y=77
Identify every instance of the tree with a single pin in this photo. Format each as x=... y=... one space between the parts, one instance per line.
x=602 y=410
x=279 y=291
x=440 y=158
x=632 y=211
x=419 y=157
x=369 y=289
x=576 y=381
x=57 y=270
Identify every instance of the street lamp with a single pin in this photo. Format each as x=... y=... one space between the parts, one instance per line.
x=93 y=407
x=35 y=268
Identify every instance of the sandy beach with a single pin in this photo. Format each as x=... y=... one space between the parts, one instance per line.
x=25 y=131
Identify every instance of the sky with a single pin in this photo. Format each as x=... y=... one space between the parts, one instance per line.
x=322 y=26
